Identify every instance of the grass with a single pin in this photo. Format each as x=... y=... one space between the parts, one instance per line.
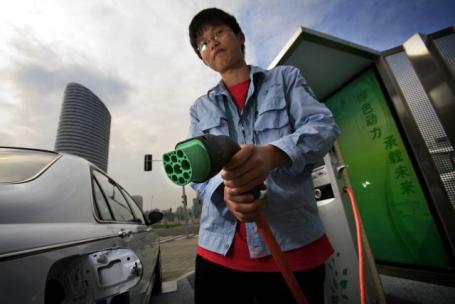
x=172 y=225
x=166 y=226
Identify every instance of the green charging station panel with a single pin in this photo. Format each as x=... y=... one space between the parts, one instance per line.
x=393 y=208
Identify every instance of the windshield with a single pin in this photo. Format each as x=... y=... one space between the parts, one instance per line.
x=20 y=165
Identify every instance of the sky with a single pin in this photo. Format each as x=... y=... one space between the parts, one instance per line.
x=136 y=57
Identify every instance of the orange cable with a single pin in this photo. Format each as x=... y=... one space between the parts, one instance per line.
x=278 y=256
x=359 y=242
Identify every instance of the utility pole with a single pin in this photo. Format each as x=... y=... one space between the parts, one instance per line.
x=185 y=211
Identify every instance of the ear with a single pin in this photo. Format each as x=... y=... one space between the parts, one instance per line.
x=241 y=37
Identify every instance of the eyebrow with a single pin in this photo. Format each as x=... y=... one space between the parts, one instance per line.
x=215 y=28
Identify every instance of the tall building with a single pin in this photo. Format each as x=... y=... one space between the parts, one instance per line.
x=84 y=126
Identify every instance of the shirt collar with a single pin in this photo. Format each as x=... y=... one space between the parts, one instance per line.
x=220 y=88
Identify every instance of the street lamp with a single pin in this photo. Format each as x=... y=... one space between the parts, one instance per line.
x=148 y=165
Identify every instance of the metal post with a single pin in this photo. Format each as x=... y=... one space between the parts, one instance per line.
x=185 y=213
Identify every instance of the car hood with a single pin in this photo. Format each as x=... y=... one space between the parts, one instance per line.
x=17 y=239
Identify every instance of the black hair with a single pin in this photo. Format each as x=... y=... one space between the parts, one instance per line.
x=211 y=17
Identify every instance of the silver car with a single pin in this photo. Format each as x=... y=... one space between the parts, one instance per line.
x=70 y=234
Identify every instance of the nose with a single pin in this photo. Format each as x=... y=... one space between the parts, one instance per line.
x=214 y=44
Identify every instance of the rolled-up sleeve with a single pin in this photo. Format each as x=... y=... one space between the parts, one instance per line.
x=205 y=190
x=313 y=125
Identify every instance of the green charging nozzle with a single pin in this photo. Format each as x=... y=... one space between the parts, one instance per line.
x=198 y=159
x=188 y=162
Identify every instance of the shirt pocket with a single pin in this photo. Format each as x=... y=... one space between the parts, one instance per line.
x=272 y=120
x=216 y=125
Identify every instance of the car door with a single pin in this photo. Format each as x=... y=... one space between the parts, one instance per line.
x=148 y=250
x=130 y=226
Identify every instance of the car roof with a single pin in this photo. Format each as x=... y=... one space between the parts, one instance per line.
x=28 y=148
x=61 y=193
x=66 y=155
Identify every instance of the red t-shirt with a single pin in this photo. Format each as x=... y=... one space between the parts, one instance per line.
x=238 y=258
x=239 y=92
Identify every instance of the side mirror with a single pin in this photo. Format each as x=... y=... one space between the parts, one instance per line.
x=153 y=217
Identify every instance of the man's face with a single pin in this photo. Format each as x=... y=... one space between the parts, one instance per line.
x=220 y=48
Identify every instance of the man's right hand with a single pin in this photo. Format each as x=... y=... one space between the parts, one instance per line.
x=250 y=166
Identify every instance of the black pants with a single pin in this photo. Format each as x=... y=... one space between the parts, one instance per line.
x=218 y=284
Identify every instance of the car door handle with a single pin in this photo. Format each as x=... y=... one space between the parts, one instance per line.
x=123 y=233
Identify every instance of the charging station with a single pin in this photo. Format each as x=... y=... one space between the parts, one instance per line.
x=396 y=112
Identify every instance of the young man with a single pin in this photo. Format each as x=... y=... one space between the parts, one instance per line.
x=283 y=130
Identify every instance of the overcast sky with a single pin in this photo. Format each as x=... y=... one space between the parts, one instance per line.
x=135 y=55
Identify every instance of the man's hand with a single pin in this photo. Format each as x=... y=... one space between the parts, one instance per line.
x=247 y=170
x=249 y=167
x=244 y=207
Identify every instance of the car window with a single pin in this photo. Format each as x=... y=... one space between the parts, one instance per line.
x=137 y=211
x=20 y=165
x=116 y=201
x=103 y=209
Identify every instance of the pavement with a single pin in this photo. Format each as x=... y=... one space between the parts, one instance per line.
x=178 y=257
x=183 y=293
x=402 y=291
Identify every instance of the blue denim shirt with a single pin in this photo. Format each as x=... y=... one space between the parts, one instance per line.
x=280 y=110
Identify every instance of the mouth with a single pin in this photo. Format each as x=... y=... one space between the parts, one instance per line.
x=217 y=52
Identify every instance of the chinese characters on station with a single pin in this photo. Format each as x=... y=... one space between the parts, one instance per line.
x=377 y=128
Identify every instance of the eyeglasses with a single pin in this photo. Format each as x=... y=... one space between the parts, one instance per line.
x=219 y=34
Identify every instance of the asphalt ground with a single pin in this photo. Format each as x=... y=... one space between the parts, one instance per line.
x=178 y=255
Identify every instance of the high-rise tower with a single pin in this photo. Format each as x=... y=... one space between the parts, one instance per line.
x=84 y=126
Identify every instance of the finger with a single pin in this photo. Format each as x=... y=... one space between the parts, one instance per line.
x=252 y=207
x=227 y=174
x=239 y=199
x=246 y=212
x=250 y=217
x=252 y=164
x=240 y=157
x=251 y=185
x=242 y=198
x=243 y=179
